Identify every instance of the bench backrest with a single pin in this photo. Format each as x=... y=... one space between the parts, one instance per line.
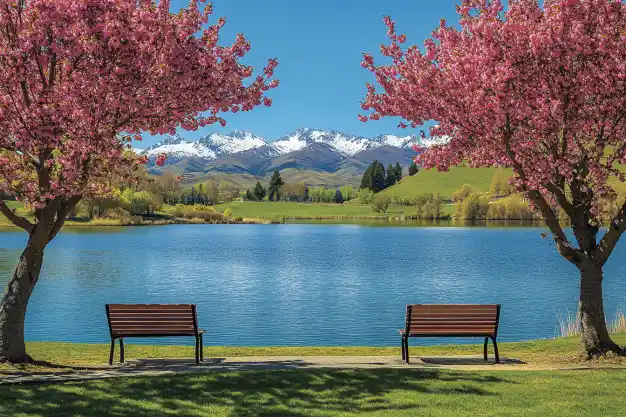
x=145 y=320
x=452 y=319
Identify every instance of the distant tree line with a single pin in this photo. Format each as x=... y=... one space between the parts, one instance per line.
x=377 y=179
x=279 y=190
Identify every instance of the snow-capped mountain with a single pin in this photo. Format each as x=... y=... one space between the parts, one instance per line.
x=177 y=147
x=216 y=145
x=342 y=142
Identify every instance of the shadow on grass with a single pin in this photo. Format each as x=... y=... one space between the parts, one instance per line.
x=248 y=393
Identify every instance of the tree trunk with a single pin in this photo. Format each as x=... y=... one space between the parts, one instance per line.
x=14 y=303
x=595 y=335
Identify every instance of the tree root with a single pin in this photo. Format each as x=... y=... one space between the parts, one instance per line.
x=605 y=350
x=27 y=360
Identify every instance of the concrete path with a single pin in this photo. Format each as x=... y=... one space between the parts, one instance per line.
x=152 y=367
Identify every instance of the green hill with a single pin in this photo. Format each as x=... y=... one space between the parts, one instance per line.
x=431 y=181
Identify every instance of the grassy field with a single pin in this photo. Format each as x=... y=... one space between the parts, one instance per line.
x=273 y=210
x=431 y=181
x=326 y=392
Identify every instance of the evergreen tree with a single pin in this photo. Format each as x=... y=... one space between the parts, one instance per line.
x=391 y=176
x=338 y=197
x=248 y=196
x=398 y=172
x=275 y=183
x=378 y=176
x=366 y=181
x=412 y=169
x=258 y=192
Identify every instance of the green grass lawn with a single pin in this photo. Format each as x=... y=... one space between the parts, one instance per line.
x=547 y=351
x=327 y=392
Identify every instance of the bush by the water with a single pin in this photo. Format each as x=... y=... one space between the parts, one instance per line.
x=474 y=207
x=117 y=216
x=511 y=208
x=199 y=212
x=429 y=207
x=381 y=203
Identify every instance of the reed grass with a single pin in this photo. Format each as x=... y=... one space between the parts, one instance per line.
x=569 y=323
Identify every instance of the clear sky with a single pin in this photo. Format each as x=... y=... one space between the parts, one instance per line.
x=318 y=44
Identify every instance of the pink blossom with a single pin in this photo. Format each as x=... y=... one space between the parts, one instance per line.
x=120 y=68
x=538 y=88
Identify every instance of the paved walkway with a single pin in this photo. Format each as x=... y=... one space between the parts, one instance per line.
x=152 y=367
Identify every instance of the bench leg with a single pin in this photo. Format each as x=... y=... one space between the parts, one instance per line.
x=406 y=349
x=495 y=350
x=201 y=349
x=121 y=350
x=485 y=348
x=112 y=352
x=197 y=350
x=403 y=353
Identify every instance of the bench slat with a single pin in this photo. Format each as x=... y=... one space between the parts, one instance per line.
x=449 y=331
x=445 y=306
x=491 y=316
x=174 y=322
x=454 y=310
x=442 y=323
x=151 y=310
x=153 y=329
x=149 y=315
x=142 y=306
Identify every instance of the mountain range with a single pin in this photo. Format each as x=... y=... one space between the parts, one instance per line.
x=343 y=155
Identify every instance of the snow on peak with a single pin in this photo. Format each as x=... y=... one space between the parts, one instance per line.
x=215 y=145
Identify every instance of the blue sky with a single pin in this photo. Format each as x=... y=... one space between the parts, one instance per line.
x=318 y=44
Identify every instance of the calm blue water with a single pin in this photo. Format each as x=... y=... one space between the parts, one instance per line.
x=301 y=284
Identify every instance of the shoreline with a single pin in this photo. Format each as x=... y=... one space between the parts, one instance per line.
x=321 y=220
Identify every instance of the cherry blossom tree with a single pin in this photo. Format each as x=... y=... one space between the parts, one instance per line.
x=79 y=80
x=540 y=88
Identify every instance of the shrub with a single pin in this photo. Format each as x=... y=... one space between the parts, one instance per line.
x=474 y=207
x=228 y=212
x=381 y=203
x=462 y=193
x=428 y=206
x=511 y=208
x=199 y=212
x=365 y=196
x=117 y=216
x=401 y=201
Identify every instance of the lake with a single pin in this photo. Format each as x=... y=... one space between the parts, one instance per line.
x=301 y=284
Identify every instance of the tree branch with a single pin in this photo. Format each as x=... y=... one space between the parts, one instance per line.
x=612 y=236
x=62 y=213
x=563 y=244
x=19 y=221
x=561 y=198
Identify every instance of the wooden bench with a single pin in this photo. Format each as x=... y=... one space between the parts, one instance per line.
x=451 y=320
x=153 y=320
